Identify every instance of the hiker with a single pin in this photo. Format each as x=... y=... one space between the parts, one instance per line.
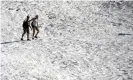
x=35 y=26
x=26 y=26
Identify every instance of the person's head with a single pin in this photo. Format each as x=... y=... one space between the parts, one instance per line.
x=36 y=16
x=28 y=17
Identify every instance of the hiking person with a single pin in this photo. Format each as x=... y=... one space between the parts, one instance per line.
x=26 y=26
x=35 y=26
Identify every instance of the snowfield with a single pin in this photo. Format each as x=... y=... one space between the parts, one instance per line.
x=78 y=40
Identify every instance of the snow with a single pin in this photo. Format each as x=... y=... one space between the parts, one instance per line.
x=78 y=41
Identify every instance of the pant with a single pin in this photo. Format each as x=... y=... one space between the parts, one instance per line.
x=25 y=30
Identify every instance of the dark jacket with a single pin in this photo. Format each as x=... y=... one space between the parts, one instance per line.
x=25 y=24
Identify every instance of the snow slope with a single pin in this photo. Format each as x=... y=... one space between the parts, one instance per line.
x=79 y=40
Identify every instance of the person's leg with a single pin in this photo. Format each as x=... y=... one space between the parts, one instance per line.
x=37 y=29
x=28 y=34
x=24 y=31
x=33 y=32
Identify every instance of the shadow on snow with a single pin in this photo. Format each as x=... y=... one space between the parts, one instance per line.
x=11 y=42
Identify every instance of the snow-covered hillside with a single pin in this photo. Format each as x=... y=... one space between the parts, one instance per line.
x=79 y=40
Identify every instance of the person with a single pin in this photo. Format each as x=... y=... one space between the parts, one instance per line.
x=26 y=28
x=35 y=26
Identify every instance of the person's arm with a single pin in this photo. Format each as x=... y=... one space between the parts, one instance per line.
x=31 y=19
x=30 y=26
x=30 y=23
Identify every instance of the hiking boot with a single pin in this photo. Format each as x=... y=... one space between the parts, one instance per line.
x=35 y=36
x=28 y=39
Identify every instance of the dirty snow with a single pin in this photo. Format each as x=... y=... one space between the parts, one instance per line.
x=79 y=40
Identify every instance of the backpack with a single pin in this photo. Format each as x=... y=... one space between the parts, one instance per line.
x=32 y=24
x=25 y=24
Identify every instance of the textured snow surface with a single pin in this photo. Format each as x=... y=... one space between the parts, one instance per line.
x=79 y=40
